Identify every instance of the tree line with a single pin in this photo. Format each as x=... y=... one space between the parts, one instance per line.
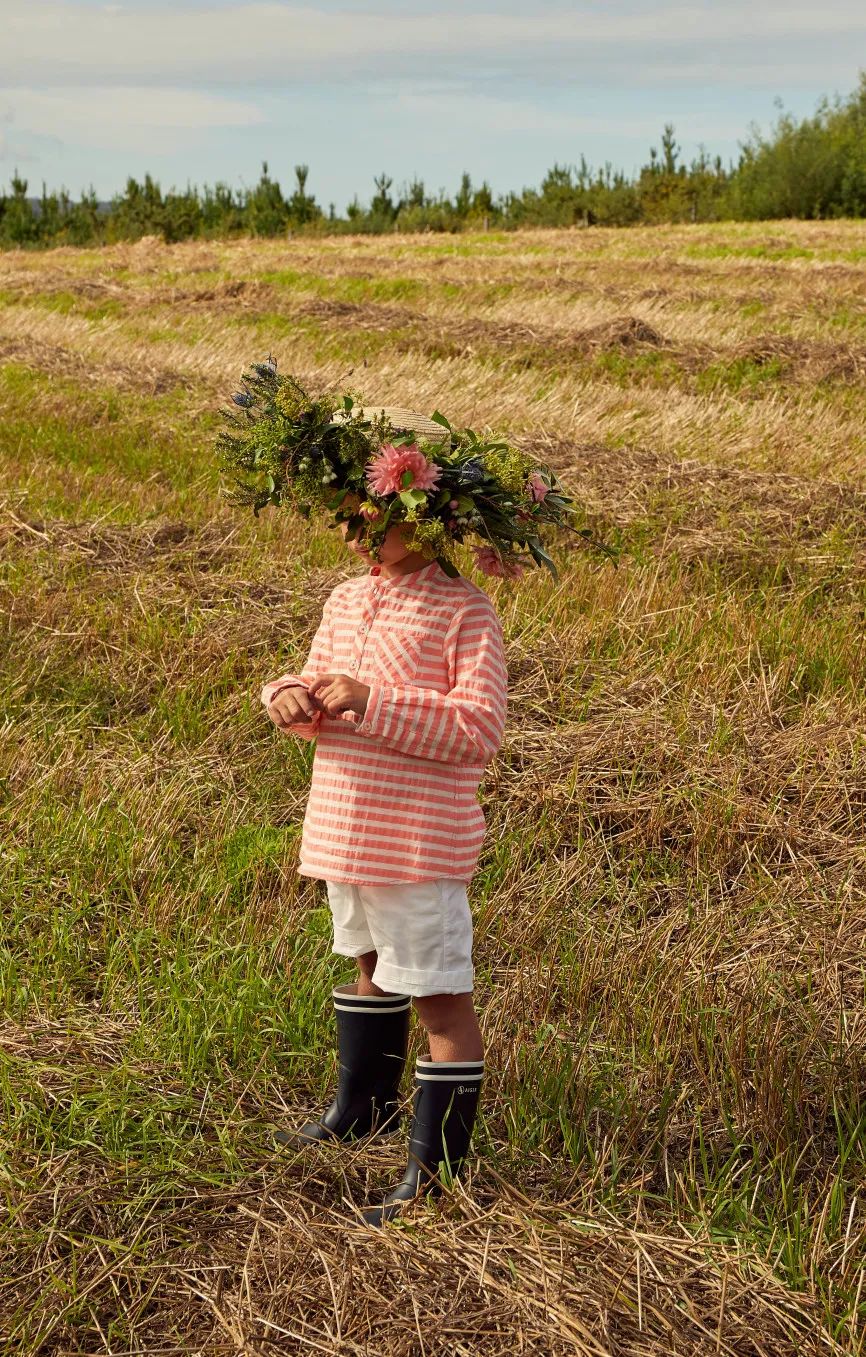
x=814 y=167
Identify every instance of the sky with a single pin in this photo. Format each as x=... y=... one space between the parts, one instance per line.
x=197 y=93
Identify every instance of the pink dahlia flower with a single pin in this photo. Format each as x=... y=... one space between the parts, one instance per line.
x=491 y=563
x=385 y=473
x=537 y=489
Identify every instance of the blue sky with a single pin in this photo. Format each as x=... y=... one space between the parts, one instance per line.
x=91 y=92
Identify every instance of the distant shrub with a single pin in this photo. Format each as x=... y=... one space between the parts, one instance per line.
x=814 y=168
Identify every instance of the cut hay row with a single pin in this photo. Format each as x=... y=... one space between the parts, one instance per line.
x=786 y=428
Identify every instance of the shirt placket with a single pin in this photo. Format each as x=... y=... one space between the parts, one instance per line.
x=369 y=608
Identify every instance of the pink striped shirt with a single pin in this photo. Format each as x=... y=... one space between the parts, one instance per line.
x=393 y=795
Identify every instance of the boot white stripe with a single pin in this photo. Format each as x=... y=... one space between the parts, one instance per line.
x=450 y=1078
x=346 y=996
x=449 y=1064
x=350 y=1008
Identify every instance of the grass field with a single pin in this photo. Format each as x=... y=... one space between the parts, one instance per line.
x=670 y=910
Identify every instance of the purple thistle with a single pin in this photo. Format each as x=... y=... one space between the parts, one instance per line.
x=243 y=399
x=472 y=471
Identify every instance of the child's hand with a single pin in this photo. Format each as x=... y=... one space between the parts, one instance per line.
x=336 y=693
x=291 y=707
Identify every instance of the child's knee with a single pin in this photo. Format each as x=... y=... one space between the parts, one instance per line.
x=441 y=1014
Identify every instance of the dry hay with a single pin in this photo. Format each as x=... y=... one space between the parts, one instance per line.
x=373 y=318
x=797 y=360
x=536 y=344
x=804 y=360
x=235 y=295
x=229 y=295
x=57 y=360
x=706 y=510
x=95 y=1040
x=278 y=1263
x=173 y=545
x=623 y=332
x=158 y=551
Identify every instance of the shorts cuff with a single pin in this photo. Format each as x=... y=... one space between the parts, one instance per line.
x=352 y=944
x=420 y=984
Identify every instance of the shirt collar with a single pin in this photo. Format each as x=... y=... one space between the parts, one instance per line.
x=413 y=580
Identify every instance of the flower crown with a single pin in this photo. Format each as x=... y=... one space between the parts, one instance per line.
x=284 y=446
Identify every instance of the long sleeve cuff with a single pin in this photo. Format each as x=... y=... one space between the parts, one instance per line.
x=270 y=690
x=305 y=730
x=370 y=723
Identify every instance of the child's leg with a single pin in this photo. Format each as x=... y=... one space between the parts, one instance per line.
x=447 y=1093
x=451 y=1026
x=422 y=935
x=366 y=967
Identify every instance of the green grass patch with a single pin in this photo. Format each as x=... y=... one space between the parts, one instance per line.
x=772 y=253
x=346 y=288
x=653 y=368
x=741 y=375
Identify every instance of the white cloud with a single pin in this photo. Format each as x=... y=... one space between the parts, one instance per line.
x=17 y=145
x=13 y=150
x=48 y=43
x=129 y=116
x=524 y=117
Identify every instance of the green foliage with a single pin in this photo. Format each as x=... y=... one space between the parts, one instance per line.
x=813 y=168
x=18 y=224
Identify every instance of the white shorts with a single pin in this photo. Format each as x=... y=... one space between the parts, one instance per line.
x=421 y=930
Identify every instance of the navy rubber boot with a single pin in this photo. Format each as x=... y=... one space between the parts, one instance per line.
x=446 y=1104
x=372 y=1036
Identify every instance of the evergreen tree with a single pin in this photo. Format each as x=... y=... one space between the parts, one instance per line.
x=139 y=211
x=267 y=213
x=302 y=208
x=84 y=224
x=382 y=209
x=18 y=223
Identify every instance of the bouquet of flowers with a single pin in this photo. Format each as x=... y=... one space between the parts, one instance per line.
x=282 y=445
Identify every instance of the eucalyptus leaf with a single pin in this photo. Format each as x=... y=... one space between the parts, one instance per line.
x=540 y=556
x=448 y=567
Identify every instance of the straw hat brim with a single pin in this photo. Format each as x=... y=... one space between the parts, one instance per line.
x=409 y=420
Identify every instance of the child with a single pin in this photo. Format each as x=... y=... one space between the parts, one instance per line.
x=404 y=692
